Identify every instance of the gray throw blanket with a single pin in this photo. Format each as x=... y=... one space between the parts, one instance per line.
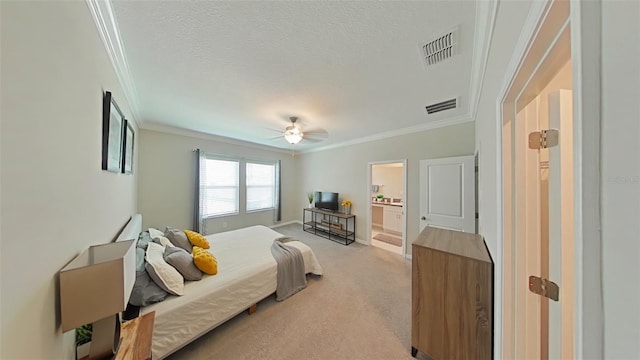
x=291 y=274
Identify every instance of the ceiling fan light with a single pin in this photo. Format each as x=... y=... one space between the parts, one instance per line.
x=293 y=136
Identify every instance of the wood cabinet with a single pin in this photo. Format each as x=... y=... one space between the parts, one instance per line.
x=392 y=218
x=451 y=295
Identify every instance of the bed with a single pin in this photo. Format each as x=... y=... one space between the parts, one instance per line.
x=247 y=273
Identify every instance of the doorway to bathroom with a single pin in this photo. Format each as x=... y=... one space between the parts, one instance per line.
x=387 y=188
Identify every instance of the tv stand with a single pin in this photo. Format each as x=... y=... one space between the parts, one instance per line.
x=335 y=226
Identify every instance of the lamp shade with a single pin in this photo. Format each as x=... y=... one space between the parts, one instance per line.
x=97 y=283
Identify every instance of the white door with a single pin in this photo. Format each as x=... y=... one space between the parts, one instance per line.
x=561 y=225
x=448 y=193
x=544 y=229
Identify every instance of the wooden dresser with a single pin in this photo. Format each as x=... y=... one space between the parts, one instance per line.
x=452 y=296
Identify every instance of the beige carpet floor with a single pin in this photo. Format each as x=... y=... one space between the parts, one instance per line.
x=359 y=309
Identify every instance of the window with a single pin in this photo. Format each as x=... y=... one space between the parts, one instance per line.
x=260 y=183
x=220 y=186
x=231 y=186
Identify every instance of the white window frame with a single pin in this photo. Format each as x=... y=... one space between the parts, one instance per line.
x=273 y=186
x=205 y=187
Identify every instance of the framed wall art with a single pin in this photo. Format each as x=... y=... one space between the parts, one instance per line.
x=127 y=148
x=112 y=134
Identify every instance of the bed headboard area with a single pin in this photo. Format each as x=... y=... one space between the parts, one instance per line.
x=132 y=229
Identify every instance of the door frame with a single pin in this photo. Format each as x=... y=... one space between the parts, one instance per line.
x=585 y=44
x=404 y=201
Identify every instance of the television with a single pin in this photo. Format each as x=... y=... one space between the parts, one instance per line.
x=326 y=200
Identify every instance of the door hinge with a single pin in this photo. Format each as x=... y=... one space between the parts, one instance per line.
x=543 y=139
x=544 y=287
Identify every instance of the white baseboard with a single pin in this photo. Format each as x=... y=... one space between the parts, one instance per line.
x=286 y=223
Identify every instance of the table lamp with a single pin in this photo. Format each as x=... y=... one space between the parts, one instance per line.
x=94 y=288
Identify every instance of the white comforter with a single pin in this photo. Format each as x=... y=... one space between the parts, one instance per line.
x=246 y=274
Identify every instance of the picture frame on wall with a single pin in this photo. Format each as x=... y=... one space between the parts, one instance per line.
x=127 y=148
x=112 y=134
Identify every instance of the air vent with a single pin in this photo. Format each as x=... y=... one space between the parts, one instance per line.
x=440 y=49
x=441 y=106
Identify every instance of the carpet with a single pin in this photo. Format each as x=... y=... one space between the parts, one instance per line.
x=389 y=239
x=360 y=309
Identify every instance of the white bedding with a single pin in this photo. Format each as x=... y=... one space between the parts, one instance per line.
x=246 y=275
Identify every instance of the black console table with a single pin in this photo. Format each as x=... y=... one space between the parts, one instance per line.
x=335 y=226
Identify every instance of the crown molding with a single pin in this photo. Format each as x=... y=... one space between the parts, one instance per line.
x=486 y=12
x=105 y=21
x=398 y=132
x=204 y=136
x=167 y=129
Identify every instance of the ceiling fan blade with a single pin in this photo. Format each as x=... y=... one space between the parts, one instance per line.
x=279 y=131
x=316 y=133
x=311 y=139
x=310 y=136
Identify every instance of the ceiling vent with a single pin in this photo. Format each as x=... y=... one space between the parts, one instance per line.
x=442 y=106
x=440 y=49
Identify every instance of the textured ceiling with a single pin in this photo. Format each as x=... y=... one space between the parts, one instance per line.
x=240 y=69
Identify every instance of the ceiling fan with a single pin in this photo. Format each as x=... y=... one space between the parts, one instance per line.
x=293 y=134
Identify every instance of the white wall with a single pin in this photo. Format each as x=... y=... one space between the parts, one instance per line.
x=621 y=178
x=344 y=170
x=167 y=181
x=56 y=200
x=390 y=177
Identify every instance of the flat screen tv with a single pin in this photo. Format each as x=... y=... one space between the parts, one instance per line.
x=326 y=200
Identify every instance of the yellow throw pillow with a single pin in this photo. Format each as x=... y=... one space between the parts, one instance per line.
x=197 y=239
x=205 y=261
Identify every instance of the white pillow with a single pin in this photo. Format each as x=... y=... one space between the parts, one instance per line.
x=154 y=233
x=163 y=274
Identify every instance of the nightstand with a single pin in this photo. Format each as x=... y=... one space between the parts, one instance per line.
x=136 y=336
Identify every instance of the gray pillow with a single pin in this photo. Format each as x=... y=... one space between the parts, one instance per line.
x=145 y=291
x=163 y=241
x=178 y=238
x=140 y=259
x=180 y=259
x=143 y=240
